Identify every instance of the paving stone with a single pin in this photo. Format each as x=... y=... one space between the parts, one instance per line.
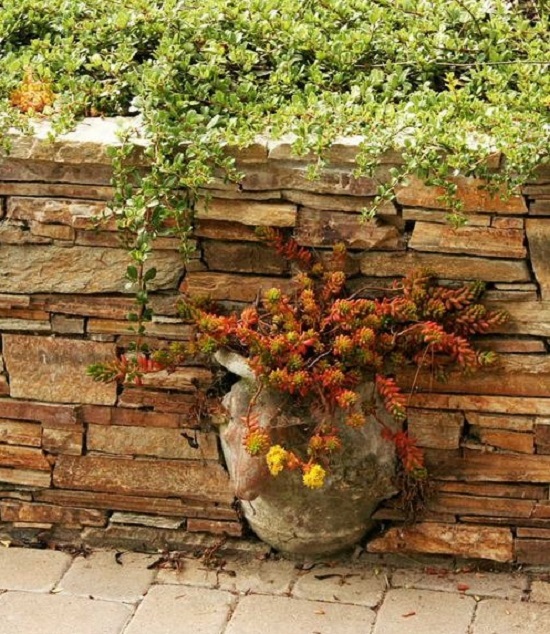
x=33 y=570
x=361 y=586
x=495 y=616
x=255 y=576
x=282 y=615
x=540 y=591
x=178 y=610
x=422 y=611
x=100 y=576
x=24 y=613
x=483 y=584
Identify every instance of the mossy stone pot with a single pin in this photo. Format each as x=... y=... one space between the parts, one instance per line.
x=282 y=511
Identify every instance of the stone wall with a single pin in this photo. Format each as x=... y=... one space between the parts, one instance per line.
x=81 y=460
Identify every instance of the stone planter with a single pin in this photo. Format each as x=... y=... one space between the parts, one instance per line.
x=281 y=510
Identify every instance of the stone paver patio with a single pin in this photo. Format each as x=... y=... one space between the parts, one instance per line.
x=51 y=592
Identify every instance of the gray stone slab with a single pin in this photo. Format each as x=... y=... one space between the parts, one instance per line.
x=424 y=612
x=101 y=576
x=243 y=576
x=31 y=613
x=181 y=610
x=540 y=591
x=34 y=570
x=495 y=616
x=343 y=584
x=283 y=615
x=479 y=584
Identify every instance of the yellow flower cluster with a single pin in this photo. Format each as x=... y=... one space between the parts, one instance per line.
x=314 y=477
x=276 y=459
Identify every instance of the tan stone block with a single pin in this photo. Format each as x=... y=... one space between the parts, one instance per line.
x=54 y=369
x=23 y=458
x=243 y=258
x=509 y=440
x=526 y=318
x=141 y=519
x=337 y=203
x=432 y=215
x=493 y=467
x=39 y=412
x=56 y=269
x=497 y=404
x=476 y=241
x=224 y=230
x=540 y=208
x=501 y=421
x=13 y=511
x=157 y=399
x=12 y=233
x=89 y=306
x=470 y=192
x=150 y=505
x=511 y=345
x=67 y=325
x=538 y=237
x=398 y=263
x=474 y=505
x=26 y=477
x=180 y=332
x=60 y=211
x=492 y=489
x=186 y=379
x=156 y=478
x=439 y=430
x=4 y=386
x=507 y=223
x=14 y=432
x=47 y=171
x=319 y=228
x=57 y=190
x=248 y=212
x=67 y=441
x=137 y=418
x=54 y=231
x=214 y=527
x=485 y=542
x=155 y=442
x=533 y=551
x=514 y=375
x=231 y=287
x=19 y=325
x=14 y=301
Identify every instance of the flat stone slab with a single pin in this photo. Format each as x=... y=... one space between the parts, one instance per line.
x=25 y=613
x=102 y=576
x=501 y=617
x=423 y=612
x=360 y=586
x=540 y=591
x=479 y=584
x=175 y=609
x=253 y=576
x=282 y=615
x=31 y=570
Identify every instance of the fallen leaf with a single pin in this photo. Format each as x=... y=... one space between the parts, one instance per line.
x=406 y=616
x=462 y=587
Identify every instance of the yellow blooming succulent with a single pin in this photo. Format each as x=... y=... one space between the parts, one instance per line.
x=314 y=477
x=276 y=459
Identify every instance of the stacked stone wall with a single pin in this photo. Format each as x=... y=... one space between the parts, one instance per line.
x=82 y=461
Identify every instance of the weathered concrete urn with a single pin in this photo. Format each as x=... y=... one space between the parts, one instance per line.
x=281 y=510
